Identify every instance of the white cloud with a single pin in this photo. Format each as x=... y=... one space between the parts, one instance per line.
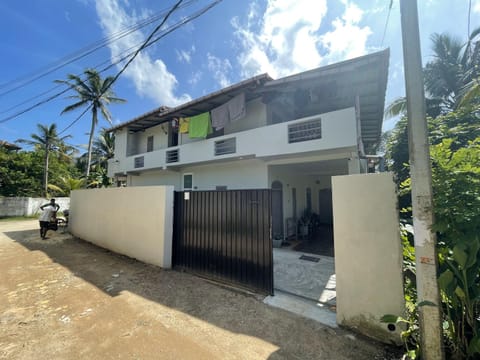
x=476 y=6
x=286 y=38
x=347 y=39
x=185 y=55
x=150 y=76
x=195 y=78
x=219 y=69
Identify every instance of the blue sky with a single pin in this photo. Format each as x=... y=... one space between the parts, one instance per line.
x=231 y=42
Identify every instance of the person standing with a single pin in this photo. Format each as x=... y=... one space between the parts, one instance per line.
x=49 y=210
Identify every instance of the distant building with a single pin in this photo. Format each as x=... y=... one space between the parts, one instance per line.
x=9 y=146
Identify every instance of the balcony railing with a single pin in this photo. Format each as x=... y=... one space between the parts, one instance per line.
x=328 y=131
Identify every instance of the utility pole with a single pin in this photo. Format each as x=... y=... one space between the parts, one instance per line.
x=421 y=177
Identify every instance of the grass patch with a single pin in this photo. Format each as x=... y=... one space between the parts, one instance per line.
x=17 y=218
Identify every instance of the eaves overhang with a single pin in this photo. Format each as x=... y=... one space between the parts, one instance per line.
x=196 y=106
x=342 y=84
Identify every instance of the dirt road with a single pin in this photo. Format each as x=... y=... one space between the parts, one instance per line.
x=62 y=298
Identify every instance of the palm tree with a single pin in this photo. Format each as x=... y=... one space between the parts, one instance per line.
x=444 y=75
x=67 y=184
x=471 y=92
x=104 y=148
x=95 y=93
x=449 y=77
x=48 y=140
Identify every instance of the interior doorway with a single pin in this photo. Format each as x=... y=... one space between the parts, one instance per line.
x=277 y=209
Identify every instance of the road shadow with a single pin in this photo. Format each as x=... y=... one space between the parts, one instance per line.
x=228 y=308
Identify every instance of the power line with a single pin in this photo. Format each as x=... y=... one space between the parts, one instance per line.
x=128 y=62
x=166 y=32
x=148 y=42
x=126 y=65
x=34 y=106
x=76 y=120
x=83 y=52
x=30 y=99
x=468 y=20
x=142 y=47
x=386 y=22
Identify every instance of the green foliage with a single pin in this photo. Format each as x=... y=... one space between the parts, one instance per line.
x=20 y=173
x=396 y=157
x=456 y=184
x=456 y=188
x=66 y=185
x=451 y=83
x=452 y=77
x=455 y=156
x=48 y=141
x=461 y=126
x=98 y=178
x=103 y=148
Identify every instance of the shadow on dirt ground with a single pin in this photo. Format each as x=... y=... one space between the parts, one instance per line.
x=230 y=309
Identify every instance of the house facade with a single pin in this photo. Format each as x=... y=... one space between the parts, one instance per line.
x=291 y=135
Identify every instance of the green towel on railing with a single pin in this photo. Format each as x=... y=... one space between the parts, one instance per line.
x=200 y=126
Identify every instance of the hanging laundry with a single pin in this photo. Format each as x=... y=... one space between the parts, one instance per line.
x=236 y=107
x=200 y=126
x=184 y=125
x=220 y=116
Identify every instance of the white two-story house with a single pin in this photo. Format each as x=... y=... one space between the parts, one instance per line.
x=291 y=134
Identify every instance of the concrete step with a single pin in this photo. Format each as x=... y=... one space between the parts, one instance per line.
x=303 y=307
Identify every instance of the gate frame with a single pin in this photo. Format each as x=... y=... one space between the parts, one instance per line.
x=225 y=255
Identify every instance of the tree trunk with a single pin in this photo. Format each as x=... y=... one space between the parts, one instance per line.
x=45 y=172
x=90 y=142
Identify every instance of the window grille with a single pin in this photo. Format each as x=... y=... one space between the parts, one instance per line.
x=305 y=130
x=139 y=162
x=172 y=156
x=227 y=146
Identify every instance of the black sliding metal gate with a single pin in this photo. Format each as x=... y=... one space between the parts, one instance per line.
x=225 y=236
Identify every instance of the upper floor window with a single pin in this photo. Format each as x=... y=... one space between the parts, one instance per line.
x=150 y=143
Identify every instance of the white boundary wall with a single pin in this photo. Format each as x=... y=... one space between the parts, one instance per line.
x=368 y=253
x=27 y=206
x=133 y=221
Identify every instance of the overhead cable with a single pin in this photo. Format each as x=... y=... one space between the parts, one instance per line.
x=81 y=53
x=123 y=58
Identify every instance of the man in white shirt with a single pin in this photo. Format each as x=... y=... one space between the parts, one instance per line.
x=49 y=211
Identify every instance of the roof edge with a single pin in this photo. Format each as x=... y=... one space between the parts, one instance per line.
x=165 y=111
